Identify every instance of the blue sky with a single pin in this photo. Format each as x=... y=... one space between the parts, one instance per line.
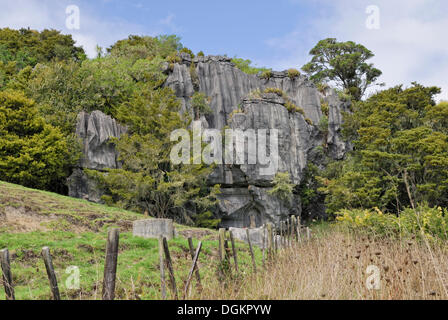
x=410 y=44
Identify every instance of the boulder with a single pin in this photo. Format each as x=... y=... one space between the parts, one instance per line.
x=256 y=236
x=153 y=228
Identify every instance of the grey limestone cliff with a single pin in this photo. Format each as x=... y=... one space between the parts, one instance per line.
x=245 y=192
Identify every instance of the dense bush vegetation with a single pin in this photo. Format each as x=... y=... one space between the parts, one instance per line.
x=424 y=221
x=32 y=152
x=400 y=156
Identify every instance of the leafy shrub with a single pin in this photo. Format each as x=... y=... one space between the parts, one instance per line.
x=246 y=66
x=309 y=121
x=188 y=51
x=283 y=187
x=206 y=220
x=293 y=108
x=200 y=104
x=267 y=74
x=424 y=221
x=322 y=86
x=293 y=73
x=277 y=91
x=323 y=124
x=201 y=54
x=325 y=107
x=194 y=77
x=344 y=95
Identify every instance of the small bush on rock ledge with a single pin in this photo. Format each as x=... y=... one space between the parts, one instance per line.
x=293 y=73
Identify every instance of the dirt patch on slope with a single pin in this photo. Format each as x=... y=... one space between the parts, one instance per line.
x=23 y=219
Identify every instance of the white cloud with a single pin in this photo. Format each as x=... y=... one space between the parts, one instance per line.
x=409 y=46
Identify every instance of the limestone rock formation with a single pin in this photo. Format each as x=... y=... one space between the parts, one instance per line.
x=245 y=192
x=95 y=130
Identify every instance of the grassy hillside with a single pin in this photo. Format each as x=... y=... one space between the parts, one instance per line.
x=76 y=230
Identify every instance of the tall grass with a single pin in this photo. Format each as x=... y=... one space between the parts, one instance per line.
x=334 y=265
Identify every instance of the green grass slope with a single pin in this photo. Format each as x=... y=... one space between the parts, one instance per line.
x=76 y=232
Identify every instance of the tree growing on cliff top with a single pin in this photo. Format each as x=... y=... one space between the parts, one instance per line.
x=344 y=63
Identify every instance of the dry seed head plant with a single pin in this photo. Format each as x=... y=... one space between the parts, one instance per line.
x=337 y=270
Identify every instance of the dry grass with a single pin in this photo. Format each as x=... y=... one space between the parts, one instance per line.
x=334 y=267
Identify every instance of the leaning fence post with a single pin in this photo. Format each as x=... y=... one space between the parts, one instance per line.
x=193 y=268
x=251 y=250
x=162 y=268
x=7 y=275
x=169 y=265
x=110 y=266
x=192 y=251
x=235 y=258
x=51 y=274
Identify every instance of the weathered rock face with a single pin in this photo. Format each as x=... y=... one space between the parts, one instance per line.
x=245 y=189
x=95 y=130
x=227 y=86
x=245 y=192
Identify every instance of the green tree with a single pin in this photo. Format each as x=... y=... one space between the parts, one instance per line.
x=283 y=187
x=344 y=63
x=32 y=153
x=148 y=181
x=401 y=152
x=200 y=104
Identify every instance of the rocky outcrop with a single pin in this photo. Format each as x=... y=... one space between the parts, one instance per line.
x=245 y=190
x=95 y=130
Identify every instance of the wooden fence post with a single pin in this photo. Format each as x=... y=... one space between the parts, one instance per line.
x=7 y=275
x=294 y=228
x=110 y=266
x=269 y=225
x=162 y=268
x=264 y=245
x=192 y=253
x=222 y=249
x=193 y=268
x=281 y=234
x=308 y=234
x=169 y=265
x=251 y=250
x=51 y=274
x=235 y=257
